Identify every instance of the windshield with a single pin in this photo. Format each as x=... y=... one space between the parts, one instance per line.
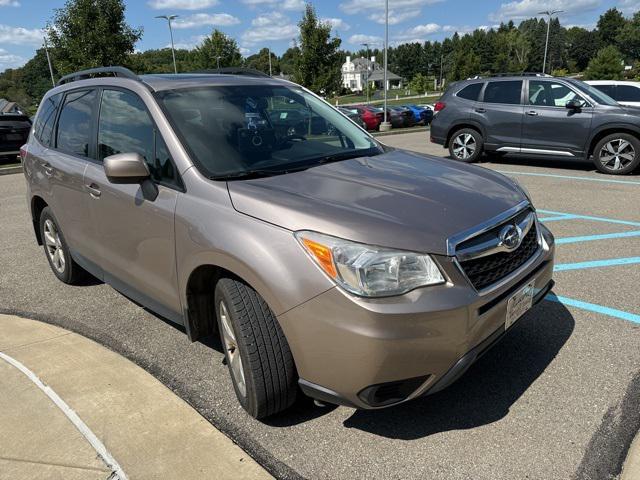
x=596 y=94
x=237 y=131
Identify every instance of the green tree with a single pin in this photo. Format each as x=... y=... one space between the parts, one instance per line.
x=260 y=61
x=217 y=46
x=610 y=24
x=607 y=65
x=289 y=60
x=318 y=65
x=629 y=38
x=582 y=46
x=420 y=84
x=91 y=33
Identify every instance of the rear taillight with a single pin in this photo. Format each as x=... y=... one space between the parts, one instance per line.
x=439 y=106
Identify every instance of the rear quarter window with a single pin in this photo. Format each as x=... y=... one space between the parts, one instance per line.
x=470 y=92
x=627 y=93
x=45 y=120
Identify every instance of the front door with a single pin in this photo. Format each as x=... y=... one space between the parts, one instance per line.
x=135 y=230
x=549 y=128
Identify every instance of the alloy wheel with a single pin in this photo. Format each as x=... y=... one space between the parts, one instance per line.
x=54 y=246
x=617 y=154
x=232 y=350
x=464 y=146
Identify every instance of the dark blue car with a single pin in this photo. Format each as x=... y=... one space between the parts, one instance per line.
x=421 y=114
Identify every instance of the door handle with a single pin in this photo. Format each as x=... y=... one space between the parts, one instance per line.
x=48 y=169
x=481 y=110
x=532 y=113
x=93 y=190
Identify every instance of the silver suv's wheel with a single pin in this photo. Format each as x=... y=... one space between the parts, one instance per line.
x=617 y=154
x=257 y=353
x=466 y=145
x=53 y=246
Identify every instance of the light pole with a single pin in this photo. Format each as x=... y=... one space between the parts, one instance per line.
x=385 y=125
x=218 y=61
x=366 y=45
x=46 y=49
x=549 y=13
x=270 y=74
x=168 y=18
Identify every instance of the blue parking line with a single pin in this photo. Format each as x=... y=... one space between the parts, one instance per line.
x=569 y=177
x=591 y=238
x=569 y=216
x=592 y=307
x=596 y=264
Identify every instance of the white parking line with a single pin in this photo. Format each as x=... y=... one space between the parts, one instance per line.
x=111 y=463
x=569 y=177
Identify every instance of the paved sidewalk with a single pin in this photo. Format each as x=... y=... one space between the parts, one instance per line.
x=142 y=426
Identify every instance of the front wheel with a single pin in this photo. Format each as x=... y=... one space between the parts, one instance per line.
x=466 y=145
x=257 y=353
x=617 y=154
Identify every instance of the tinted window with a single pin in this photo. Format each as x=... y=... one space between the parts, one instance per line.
x=74 y=125
x=607 y=89
x=551 y=94
x=503 y=92
x=470 y=92
x=126 y=127
x=627 y=93
x=46 y=119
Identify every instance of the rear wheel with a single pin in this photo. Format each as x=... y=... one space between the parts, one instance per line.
x=466 y=145
x=256 y=350
x=617 y=154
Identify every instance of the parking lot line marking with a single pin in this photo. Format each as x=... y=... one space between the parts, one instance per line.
x=591 y=238
x=569 y=177
x=569 y=216
x=592 y=307
x=98 y=446
x=596 y=264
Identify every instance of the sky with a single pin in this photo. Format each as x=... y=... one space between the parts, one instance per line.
x=273 y=23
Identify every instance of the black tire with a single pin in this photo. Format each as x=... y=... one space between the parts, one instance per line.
x=606 y=160
x=466 y=145
x=270 y=378
x=71 y=273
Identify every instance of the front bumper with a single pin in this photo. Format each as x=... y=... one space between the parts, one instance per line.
x=349 y=349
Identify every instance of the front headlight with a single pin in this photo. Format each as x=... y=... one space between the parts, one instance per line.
x=370 y=271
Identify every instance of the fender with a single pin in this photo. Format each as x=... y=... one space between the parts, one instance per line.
x=615 y=126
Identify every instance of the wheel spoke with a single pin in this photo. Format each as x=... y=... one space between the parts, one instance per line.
x=622 y=145
x=49 y=239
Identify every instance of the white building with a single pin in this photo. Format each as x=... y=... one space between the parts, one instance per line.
x=356 y=72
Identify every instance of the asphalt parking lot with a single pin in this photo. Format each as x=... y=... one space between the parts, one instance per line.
x=559 y=398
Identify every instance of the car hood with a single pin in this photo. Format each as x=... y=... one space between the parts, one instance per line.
x=398 y=199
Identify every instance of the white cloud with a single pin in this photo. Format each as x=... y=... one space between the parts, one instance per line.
x=629 y=6
x=282 y=4
x=361 y=38
x=181 y=4
x=20 y=35
x=206 y=20
x=244 y=51
x=188 y=44
x=395 y=16
x=270 y=27
x=421 y=30
x=9 y=3
x=523 y=9
x=358 y=6
x=8 y=60
x=336 y=23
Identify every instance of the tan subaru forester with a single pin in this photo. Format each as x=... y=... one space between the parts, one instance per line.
x=329 y=263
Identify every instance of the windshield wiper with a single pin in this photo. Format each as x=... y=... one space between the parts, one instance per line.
x=337 y=157
x=255 y=173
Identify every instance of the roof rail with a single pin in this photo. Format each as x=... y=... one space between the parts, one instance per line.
x=84 y=74
x=521 y=74
x=249 y=72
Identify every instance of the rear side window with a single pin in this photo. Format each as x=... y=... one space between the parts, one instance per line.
x=74 y=125
x=507 y=92
x=46 y=119
x=607 y=89
x=627 y=93
x=470 y=92
x=126 y=127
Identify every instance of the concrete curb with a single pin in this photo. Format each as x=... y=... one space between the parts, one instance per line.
x=105 y=402
x=631 y=469
x=10 y=170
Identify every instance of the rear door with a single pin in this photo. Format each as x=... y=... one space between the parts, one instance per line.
x=135 y=233
x=549 y=127
x=500 y=113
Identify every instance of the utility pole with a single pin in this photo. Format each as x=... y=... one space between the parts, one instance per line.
x=46 y=49
x=270 y=74
x=548 y=13
x=366 y=45
x=168 y=18
x=385 y=125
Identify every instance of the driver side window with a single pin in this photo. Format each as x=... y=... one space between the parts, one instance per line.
x=551 y=94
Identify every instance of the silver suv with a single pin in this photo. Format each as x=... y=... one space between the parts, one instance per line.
x=249 y=207
x=537 y=115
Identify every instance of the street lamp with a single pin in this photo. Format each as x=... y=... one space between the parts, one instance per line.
x=385 y=125
x=168 y=18
x=218 y=61
x=46 y=49
x=366 y=45
x=270 y=74
x=549 y=13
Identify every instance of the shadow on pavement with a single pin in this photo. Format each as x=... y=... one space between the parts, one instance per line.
x=488 y=389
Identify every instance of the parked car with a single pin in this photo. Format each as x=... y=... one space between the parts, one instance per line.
x=548 y=117
x=14 y=131
x=371 y=116
x=285 y=244
x=353 y=114
x=421 y=114
x=406 y=114
x=625 y=93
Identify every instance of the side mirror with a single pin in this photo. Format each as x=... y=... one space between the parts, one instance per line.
x=126 y=168
x=574 y=104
